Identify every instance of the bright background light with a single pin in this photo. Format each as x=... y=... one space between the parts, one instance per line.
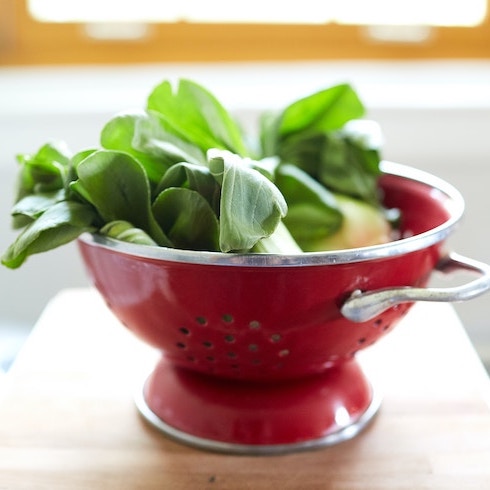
x=376 y=12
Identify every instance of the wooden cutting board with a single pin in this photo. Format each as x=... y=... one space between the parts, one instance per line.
x=68 y=421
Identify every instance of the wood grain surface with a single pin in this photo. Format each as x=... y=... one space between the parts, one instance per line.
x=68 y=420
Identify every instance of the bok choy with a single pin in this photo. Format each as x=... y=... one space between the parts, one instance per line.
x=182 y=174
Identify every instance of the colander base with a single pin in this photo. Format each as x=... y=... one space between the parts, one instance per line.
x=243 y=417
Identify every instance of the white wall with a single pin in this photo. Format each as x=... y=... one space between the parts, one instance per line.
x=435 y=116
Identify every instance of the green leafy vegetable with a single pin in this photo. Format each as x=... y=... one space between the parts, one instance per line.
x=310 y=133
x=33 y=205
x=362 y=226
x=187 y=219
x=194 y=177
x=143 y=136
x=60 y=224
x=126 y=232
x=181 y=174
x=43 y=172
x=194 y=114
x=251 y=206
x=313 y=210
x=118 y=188
x=327 y=110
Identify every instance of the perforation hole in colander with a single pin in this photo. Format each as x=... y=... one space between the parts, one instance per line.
x=242 y=347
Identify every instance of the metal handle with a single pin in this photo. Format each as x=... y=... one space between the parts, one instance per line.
x=361 y=307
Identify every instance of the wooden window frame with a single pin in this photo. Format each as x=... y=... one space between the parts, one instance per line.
x=24 y=41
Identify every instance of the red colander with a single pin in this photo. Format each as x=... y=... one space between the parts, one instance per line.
x=259 y=350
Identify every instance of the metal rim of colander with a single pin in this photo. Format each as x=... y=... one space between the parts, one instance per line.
x=398 y=247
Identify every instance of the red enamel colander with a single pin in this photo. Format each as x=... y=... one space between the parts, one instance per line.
x=258 y=351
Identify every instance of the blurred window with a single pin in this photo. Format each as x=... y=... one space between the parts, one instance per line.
x=93 y=31
x=394 y=12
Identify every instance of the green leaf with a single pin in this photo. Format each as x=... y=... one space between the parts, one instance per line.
x=33 y=205
x=117 y=186
x=120 y=134
x=77 y=158
x=251 y=206
x=312 y=134
x=269 y=123
x=151 y=138
x=305 y=150
x=336 y=162
x=326 y=110
x=44 y=171
x=187 y=219
x=60 y=224
x=126 y=232
x=349 y=169
x=193 y=113
x=266 y=166
x=313 y=212
x=194 y=177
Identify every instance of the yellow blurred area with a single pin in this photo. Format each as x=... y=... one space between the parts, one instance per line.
x=41 y=32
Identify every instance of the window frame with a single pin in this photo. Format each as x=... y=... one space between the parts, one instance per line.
x=25 y=41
